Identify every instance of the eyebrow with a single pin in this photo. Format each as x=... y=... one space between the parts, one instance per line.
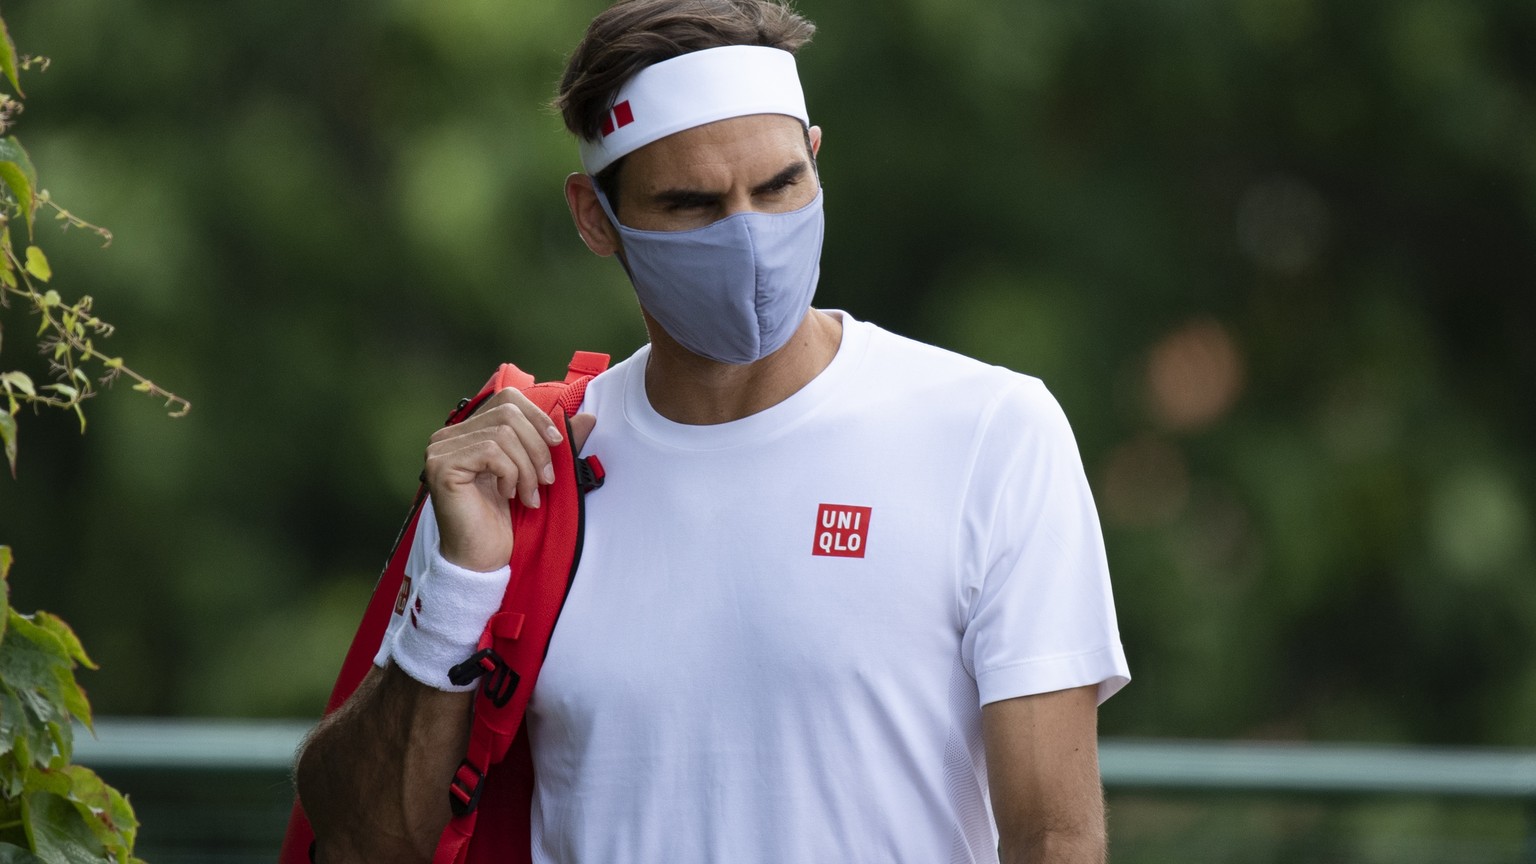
x=696 y=198
x=783 y=178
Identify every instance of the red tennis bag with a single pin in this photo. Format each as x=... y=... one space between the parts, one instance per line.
x=495 y=780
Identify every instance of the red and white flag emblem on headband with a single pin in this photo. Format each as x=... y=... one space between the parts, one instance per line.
x=621 y=115
x=691 y=90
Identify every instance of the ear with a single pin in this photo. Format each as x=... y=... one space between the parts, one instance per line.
x=815 y=133
x=596 y=231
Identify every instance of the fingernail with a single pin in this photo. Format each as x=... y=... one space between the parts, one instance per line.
x=533 y=500
x=549 y=473
x=552 y=434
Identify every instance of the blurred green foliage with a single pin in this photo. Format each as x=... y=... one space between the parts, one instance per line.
x=1275 y=257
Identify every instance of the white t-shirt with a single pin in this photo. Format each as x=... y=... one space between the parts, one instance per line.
x=783 y=628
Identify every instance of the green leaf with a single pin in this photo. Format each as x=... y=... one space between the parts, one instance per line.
x=55 y=625
x=20 y=380
x=5 y=571
x=8 y=439
x=39 y=710
x=16 y=855
x=37 y=264
x=105 y=811
x=22 y=741
x=19 y=176
x=59 y=832
x=12 y=151
x=71 y=697
x=9 y=730
x=16 y=181
x=120 y=812
x=12 y=776
x=53 y=782
x=36 y=669
x=8 y=57
x=31 y=650
x=62 y=733
x=84 y=792
x=38 y=663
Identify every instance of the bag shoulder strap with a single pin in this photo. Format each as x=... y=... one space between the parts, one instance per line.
x=512 y=648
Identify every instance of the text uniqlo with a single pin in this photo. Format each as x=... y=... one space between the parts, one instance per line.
x=842 y=531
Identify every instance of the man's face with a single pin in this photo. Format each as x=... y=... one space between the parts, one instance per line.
x=757 y=163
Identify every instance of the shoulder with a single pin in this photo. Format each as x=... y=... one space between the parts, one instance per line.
x=907 y=368
x=607 y=388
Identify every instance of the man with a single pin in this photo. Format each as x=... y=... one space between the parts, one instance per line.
x=843 y=597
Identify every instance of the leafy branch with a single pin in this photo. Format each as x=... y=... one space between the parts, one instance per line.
x=67 y=331
x=67 y=334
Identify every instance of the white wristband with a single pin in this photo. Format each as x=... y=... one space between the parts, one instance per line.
x=444 y=619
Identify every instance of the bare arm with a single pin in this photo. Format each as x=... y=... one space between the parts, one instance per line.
x=1043 y=767
x=374 y=775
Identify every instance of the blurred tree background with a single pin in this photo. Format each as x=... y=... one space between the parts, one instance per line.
x=1275 y=257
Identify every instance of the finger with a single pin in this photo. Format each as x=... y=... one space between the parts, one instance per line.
x=541 y=467
x=462 y=461
x=497 y=450
x=502 y=486
x=511 y=428
x=546 y=426
x=514 y=443
x=581 y=427
x=482 y=462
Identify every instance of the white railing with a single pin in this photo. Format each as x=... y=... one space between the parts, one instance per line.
x=235 y=773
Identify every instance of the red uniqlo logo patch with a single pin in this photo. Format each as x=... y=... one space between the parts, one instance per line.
x=618 y=118
x=842 y=531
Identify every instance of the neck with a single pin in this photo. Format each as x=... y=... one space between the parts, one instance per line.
x=686 y=388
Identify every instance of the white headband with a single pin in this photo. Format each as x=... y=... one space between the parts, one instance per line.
x=691 y=90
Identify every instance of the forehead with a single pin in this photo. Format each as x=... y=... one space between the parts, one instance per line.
x=747 y=150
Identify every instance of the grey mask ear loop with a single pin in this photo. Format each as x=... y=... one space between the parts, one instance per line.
x=618 y=228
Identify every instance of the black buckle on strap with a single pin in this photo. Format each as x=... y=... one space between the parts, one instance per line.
x=589 y=473
x=500 y=679
x=464 y=791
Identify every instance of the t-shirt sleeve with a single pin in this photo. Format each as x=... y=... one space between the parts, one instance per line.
x=1039 y=614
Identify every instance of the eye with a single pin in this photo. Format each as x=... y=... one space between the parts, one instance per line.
x=779 y=186
x=687 y=203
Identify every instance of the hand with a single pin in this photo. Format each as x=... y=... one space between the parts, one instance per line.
x=475 y=467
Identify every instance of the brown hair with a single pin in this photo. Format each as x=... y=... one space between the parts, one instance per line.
x=633 y=34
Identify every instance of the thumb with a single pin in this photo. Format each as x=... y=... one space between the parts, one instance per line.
x=581 y=427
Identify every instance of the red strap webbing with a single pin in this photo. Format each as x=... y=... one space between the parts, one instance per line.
x=585 y=364
x=543 y=560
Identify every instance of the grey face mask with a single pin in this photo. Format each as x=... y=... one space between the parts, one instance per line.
x=734 y=290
